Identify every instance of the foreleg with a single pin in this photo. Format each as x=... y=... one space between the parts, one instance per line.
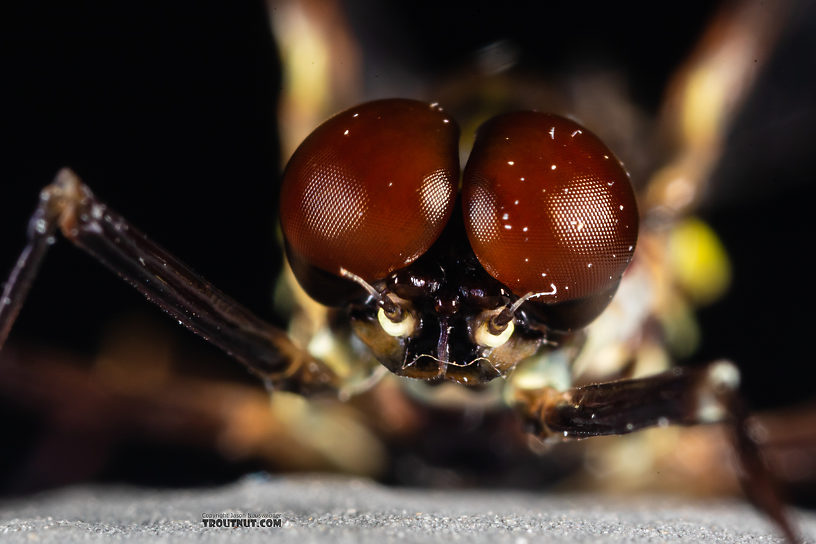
x=69 y=206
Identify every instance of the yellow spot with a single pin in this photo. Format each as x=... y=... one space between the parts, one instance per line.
x=699 y=261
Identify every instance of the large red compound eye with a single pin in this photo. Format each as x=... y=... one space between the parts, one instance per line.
x=549 y=209
x=372 y=188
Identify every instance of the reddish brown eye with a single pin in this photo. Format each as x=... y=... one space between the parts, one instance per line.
x=371 y=189
x=549 y=209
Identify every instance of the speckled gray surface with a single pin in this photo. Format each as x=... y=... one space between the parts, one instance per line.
x=325 y=509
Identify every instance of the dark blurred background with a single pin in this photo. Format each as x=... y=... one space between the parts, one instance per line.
x=169 y=111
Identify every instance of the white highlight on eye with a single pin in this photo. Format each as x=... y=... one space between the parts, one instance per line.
x=483 y=217
x=333 y=201
x=435 y=194
x=575 y=132
x=552 y=133
x=403 y=327
x=484 y=337
x=584 y=218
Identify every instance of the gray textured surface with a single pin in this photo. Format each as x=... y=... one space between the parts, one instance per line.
x=321 y=509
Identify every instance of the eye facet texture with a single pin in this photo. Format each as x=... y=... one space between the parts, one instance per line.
x=548 y=208
x=371 y=189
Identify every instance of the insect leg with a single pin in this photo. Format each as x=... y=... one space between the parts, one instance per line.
x=68 y=205
x=681 y=396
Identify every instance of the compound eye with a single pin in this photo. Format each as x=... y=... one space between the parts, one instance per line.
x=372 y=188
x=549 y=209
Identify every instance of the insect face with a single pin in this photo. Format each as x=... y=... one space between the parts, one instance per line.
x=546 y=226
x=449 y=319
